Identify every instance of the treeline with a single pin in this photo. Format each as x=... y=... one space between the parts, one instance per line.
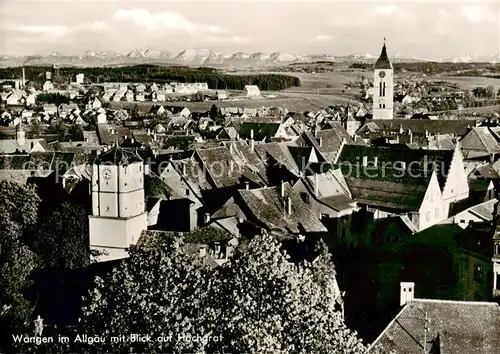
x=467 y=69
x=141 y=73
x=55 y=98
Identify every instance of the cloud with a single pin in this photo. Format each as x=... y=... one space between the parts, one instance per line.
x=324 y=38
x=53 y=30
x=166 y=20
x=476 y=14
x=226 y=39
x=386 y=10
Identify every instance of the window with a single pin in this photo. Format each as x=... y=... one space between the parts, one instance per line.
x=428 y=216
x=478 y=273
x=324 y=217
x=187 y=191
x=383 y=106
x=107 y=208
x=140 y=168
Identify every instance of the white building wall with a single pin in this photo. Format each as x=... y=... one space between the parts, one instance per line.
x=431 y=210
x=383 y=105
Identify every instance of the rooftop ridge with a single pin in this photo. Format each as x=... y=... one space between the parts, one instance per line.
x=455 y=302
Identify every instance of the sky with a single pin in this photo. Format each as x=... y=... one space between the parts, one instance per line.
x=423 y=29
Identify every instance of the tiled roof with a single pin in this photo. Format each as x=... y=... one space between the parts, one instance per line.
x=487 y=171
x=117 y=156
x=440 y=126
x=457 y=327
x=331 y=140
x=387 y=188
x=415 y=159
x=279 y=152
x=220 y=165
x=485 y=210
x=484 y=140
x=245 y=157
x=268 y=208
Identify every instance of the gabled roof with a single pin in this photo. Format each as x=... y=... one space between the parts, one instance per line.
x=220 y=166
x=269 y=209
x=456 y=326
x=440 y=126
x=480 y=138
x=278 y=152
x=328 y=141
x=117 y=156
x=387 y=187
x=415 y=159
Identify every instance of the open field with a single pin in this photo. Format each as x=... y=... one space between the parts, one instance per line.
x=297 y=102
x=469 y=82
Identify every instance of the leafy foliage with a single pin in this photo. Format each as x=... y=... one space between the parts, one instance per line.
x=62 y=239
x=259 y=303
x=55 y=98
x=18 y=212
x=206 y=235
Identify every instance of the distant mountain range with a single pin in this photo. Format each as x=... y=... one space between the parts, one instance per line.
x=207 y=57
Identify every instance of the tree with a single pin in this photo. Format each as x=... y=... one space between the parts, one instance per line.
x=75 y=133
x=18 y=212
x=259 y=303
x=135 y=112
x=214 y=112
x=60 y=129
x=490 y=92
x=62 y=239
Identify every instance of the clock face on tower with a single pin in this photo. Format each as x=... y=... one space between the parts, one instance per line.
x=381 y=74
x=106 y=173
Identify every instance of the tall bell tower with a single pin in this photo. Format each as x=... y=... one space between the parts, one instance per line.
x=118 y=207
x=383 y=89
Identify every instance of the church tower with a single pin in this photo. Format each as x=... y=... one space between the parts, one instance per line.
x=383 y=89
x=118 y=208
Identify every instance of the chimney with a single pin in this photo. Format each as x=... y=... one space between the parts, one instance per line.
x=24 y=79
x=407 y=293
x=282 y=189
x=183 y=169
x=375 y=161
x=87 y=140
x=247 y=185
x=252 y=142
x=231 y=148
x=149 y=131
x=231 y=166
x=203 y=250
x=289 y=205
x=316 y=185
x=206 y=218
x=320 y=141
x=154 y=136
x=410 y=133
